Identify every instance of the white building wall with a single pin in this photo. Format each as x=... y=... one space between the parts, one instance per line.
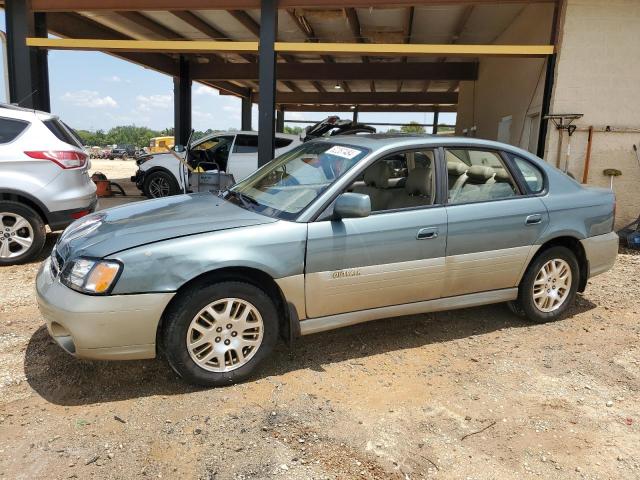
x=508 y=87
x=598 y=75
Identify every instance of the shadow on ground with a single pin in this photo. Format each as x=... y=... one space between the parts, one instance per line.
x=65 y=380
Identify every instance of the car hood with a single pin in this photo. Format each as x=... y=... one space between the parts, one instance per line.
x=135 y=224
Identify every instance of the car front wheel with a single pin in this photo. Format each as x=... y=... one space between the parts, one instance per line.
x=22 y=233
x=219 y=334
x=549 y=286
x=160 y=184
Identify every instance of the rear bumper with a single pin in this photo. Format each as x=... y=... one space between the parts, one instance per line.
x=63 y=218
x=116 y=327
x=601 y=251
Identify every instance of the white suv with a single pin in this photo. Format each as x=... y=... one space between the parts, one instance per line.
x=232 y=152
x=44 y=180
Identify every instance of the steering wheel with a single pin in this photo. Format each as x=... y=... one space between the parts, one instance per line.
x=289 y=181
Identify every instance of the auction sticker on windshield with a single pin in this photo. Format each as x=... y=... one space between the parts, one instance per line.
x=344 y=152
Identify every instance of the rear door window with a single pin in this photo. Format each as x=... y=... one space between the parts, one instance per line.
x=246 y=144
x=478 y=176
x=62 y=132
x=10 y=129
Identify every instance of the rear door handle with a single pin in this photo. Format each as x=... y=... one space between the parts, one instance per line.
x=534 y=219
x=427 y=233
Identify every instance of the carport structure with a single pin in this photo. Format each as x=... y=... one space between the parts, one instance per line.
x=286 y=55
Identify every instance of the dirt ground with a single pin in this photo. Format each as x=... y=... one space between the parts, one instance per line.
x=468 y=394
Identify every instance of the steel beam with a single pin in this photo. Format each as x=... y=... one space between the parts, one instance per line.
x=280 y=120
x=365 y=98
x=120 y=5
x=20 y=26
x=344 y=71
x=370 y=108
x=40 y=66
x=245 y=121
x=267 y=81
x=182 y=102
x=211 y=46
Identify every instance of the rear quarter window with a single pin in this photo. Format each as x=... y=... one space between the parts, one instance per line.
x=10 y=129
x=531 y=174
x=62 y=132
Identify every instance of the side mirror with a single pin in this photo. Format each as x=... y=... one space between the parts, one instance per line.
x=179 y=148
x=352 y=205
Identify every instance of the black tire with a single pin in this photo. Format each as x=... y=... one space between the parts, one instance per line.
x=525 y=305
x=182 y=311
x=159 y=176
x=37 y=226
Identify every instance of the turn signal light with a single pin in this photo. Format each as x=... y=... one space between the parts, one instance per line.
x=102 y=276
x=63 y=158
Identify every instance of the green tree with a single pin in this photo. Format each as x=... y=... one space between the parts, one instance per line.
x=445 y=128
x=293 y=130
x=412 y=127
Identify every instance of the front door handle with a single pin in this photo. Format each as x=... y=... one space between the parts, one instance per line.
x=534 y=219
x=427 y=233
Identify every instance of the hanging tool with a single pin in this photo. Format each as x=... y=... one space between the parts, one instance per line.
x=587 y=157
x=564 y=121
x=611 y=172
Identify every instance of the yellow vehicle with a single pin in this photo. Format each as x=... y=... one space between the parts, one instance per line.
x=161 y=144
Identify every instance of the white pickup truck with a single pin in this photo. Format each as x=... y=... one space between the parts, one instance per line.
x=236 y=153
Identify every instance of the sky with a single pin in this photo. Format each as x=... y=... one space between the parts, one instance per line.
x=92 y=91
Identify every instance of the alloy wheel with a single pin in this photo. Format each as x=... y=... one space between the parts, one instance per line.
x=16 y=235
x=159 y=187
x=552 y=285
x=225 y=335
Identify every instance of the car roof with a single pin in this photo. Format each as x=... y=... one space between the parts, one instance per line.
x=383 y=141
x=15 y=111
x=246 y=132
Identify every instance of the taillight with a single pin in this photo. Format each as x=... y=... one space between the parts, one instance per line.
x=63 y=158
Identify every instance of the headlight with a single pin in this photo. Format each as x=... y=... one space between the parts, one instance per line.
x=91 y=276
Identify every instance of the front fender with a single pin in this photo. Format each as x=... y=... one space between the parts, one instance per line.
x=276 y=249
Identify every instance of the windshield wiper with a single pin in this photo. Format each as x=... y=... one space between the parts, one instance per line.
x=246 y=200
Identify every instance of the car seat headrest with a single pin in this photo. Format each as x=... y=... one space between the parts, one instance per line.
x=502 y=175
x=377 y=175
x=419 y=182
x=456 y=168
x=480 y=173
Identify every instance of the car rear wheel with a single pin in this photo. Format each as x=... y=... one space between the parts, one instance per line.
x=22 y=233
x=160 y=184
x=219 y=334
x=549 y=286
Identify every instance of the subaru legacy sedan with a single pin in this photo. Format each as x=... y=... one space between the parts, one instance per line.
x=333 y=233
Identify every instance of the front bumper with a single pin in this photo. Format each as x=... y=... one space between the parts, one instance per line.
x=115 y=327
x=138 y=179
x=601 y=252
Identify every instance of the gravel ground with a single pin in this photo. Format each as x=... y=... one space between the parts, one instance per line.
x=474 y=393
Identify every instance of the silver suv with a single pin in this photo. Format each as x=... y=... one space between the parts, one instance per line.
x=44 y=181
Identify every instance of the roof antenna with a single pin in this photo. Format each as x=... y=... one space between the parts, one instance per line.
x=26 y=97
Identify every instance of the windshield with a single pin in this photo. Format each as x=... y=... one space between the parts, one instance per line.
x=287 y=185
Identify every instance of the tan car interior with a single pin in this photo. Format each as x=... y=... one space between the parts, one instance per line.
x=406 y=179
x=398 y=181
x=476 y=176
